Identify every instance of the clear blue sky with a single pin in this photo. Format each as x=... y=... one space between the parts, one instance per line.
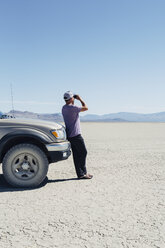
x=111 y=52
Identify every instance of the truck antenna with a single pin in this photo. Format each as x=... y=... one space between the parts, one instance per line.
x=11 y=87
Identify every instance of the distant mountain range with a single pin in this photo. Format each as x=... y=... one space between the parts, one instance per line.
x=116 y=117
x=126 y=116
x=25 y=114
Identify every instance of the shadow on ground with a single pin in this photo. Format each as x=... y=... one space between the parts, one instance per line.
x=5 y=187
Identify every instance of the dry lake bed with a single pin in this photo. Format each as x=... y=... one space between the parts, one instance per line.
x=123 y=206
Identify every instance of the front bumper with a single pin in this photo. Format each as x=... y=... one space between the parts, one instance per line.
x=58 y=151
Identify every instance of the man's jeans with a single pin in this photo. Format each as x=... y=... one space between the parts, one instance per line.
x=79 y=154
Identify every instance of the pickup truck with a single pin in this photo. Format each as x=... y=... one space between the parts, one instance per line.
x=27 y=147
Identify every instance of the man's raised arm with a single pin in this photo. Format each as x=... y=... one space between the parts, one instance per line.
x=84 y=106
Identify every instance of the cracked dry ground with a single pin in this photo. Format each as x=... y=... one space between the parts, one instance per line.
x=123 y=206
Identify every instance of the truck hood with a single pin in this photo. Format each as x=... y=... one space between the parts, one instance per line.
x=35 y=123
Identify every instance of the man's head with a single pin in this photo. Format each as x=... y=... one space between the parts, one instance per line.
x=68 y=97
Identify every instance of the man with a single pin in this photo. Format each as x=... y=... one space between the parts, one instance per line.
x=70 y=114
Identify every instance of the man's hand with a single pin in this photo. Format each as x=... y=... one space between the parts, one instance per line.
x=77 y=97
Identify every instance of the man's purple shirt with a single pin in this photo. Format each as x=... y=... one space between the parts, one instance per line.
x=71 y=118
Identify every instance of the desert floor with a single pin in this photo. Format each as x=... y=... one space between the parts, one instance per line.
x=123 y=206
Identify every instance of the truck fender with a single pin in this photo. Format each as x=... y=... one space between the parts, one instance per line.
x=24 y=133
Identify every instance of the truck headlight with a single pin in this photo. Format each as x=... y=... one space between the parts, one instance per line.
x=59 y=134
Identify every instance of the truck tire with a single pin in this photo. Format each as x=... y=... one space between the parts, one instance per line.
x=25 y=165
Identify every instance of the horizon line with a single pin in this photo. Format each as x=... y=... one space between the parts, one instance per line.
x=23 y=111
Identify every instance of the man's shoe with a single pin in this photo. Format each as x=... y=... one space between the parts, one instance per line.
x=86 y=176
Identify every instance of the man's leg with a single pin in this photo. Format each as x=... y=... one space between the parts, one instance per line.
x=79 y=155
x=83 y=154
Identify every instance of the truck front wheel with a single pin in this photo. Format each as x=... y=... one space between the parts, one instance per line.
x=25 y=165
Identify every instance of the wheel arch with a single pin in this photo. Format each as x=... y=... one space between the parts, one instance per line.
x=8 y=143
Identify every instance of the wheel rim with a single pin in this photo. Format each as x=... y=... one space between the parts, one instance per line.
x=25 y=166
